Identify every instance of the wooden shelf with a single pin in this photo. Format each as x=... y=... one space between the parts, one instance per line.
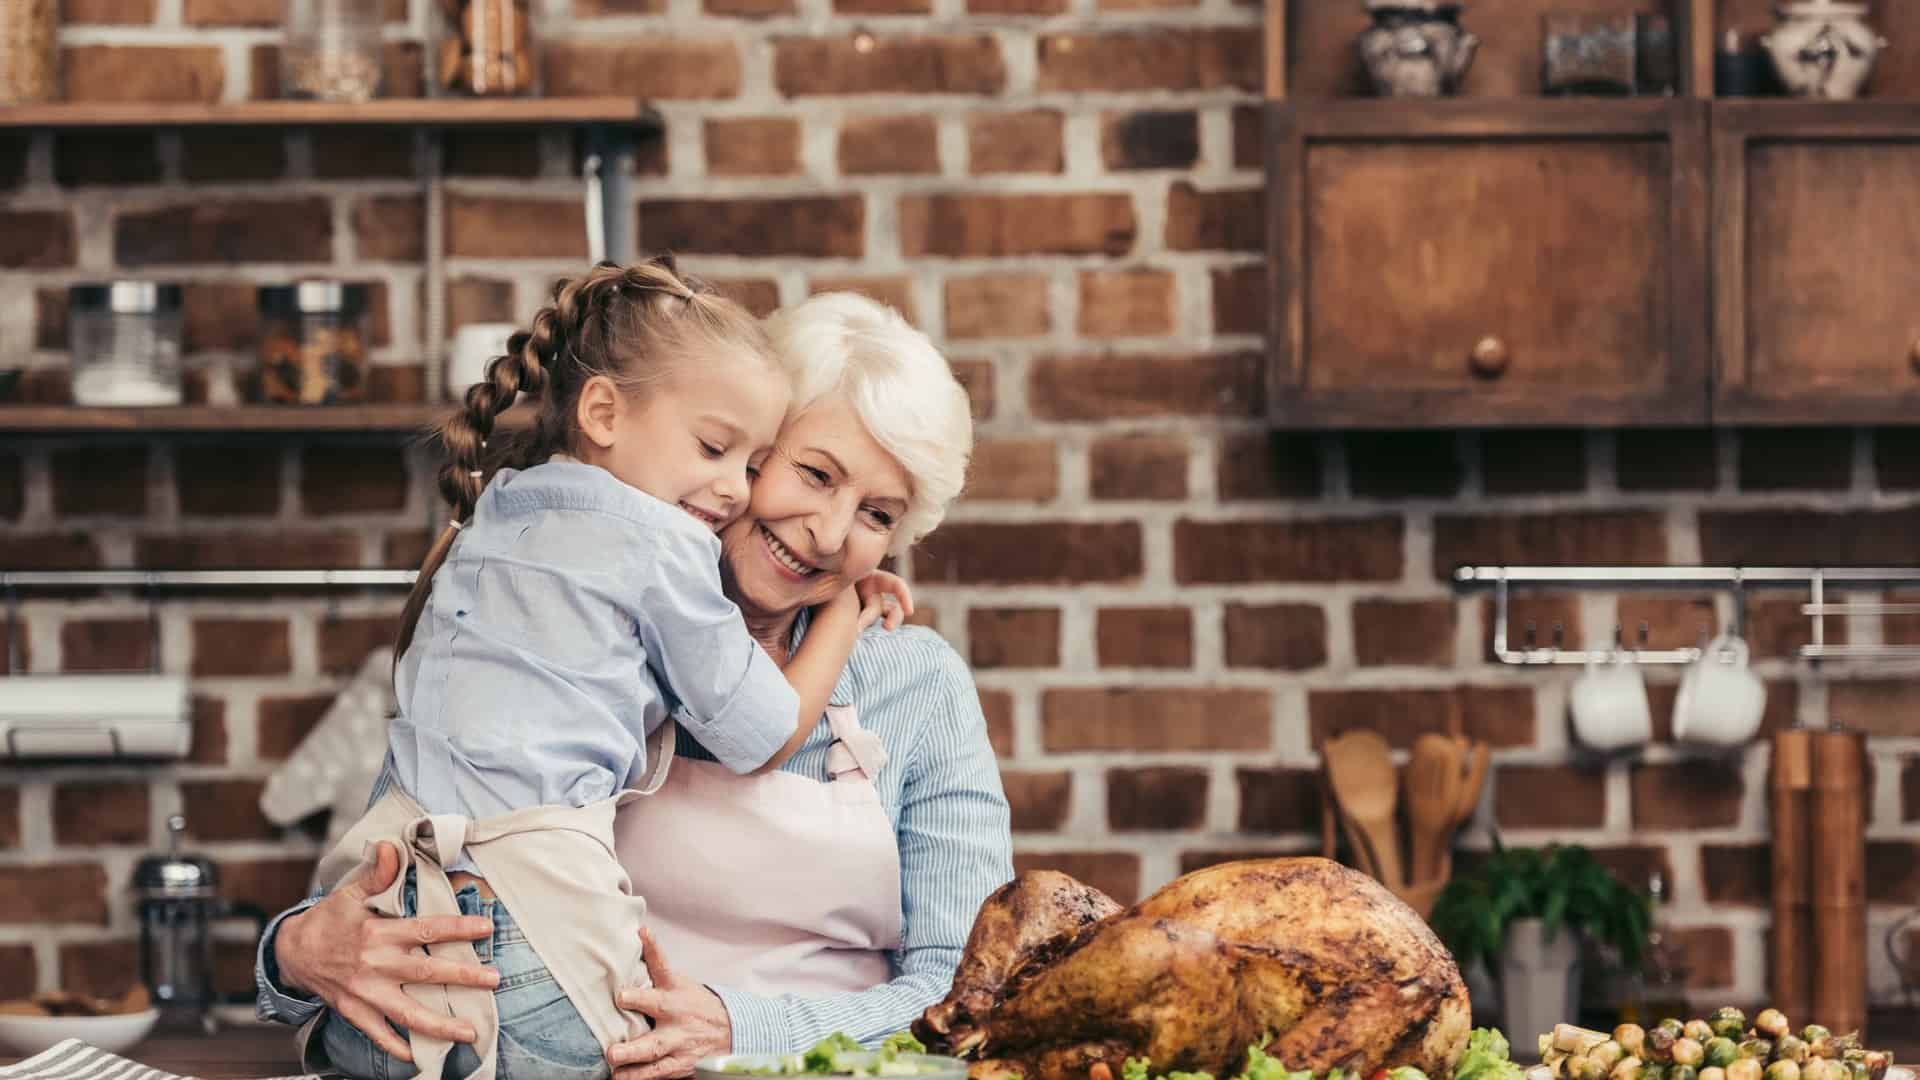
x=25 y=419
x=1442 y=118
x=391 y=112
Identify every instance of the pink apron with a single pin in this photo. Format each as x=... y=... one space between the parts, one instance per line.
x=772 y=884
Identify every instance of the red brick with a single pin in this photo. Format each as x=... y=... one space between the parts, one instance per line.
x=49 y=551
x=219 y=810
x=1410 y=632
x=1883 y=707
x=102 y=968
x=1014 y=637
x=753 y=145
x=113 y=158
x=883 y=7
x=1808 y=538
x=112 y=812
x=1672 y=620
x=232 y=155
x=1035 y=553
x=1029 y=141
x=1278 y=800
x=1138 y=467
x=1404 y=464
x=758 y=295
x=992 y=224
x=1526 y=462
x=1636 y=865
x=1161 y=59
x=250 y=551
x=220 y=315
x=1191 y=861
x=1013 y=470
x=1249 y=137
x=51 y=893
x=99 y=480
x=226 y=480
x=1126 y=303
x=1741 y=874
x=1338 y=549
x=272 y=884
x=1893 y=872
x=1896 y=628
x=44 y=386
x=1909 y=791
x=286 y=721
x=894 y=291
x=1285 y=637
x=241 y=647
x=13 y=160
x=1498 y=715
x=1240 y=300
x=345 y=640
x=1549 y=797
x=657 y=68
x=1040 y=801
x=12 y=488
x=147 y=74
x=357 y=155
x=1115 y=873
x=997 y=706
x=50 y=319
x=1016 y=7
x=36 y=239
x=1166 y=798
x=750 y=9
x=906 y=64
x=501 y=227
x=9 y=817
x=976 y=378
x=1215 y=220
x=818 y=226
x=997 y=305
x=1709 y=953
x=1603 y=537
x=209 y=745
x=1155 y=719
x=513 y=154
x=107 y=12
x=352 y=478
x=261 y=13
x=1146 y=637
x=226 y=231
x=1267 y=465
x=1150 y=139
x=18 y=979
x=1097 y=387
x=106 y=645
x=1796 y=459
x=1692 y=795
x=594 y=9
x=884 y=144
x=388 y=227
x=406 y=549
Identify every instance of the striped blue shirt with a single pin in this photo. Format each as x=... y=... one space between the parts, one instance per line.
x=941 y=788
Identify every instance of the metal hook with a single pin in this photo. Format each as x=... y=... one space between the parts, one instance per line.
x=13 y=631
x=1559 y=637
x=153 y=628
x=1643 y=635
x=1531 y=634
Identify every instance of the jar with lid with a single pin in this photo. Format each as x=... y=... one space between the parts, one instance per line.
x=29 y=57
x=125 y=337
x=488 y=49
x=332 y=50
x=313 y=343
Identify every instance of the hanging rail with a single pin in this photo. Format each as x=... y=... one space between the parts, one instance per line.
x=1735 y=579
x=12 y=581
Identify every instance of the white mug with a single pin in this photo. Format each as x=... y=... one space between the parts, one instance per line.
x=474 y=347
x=1720 y=702
x=1610 y=710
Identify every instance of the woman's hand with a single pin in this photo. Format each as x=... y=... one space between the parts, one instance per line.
x=356 y=961
x=689 y=1023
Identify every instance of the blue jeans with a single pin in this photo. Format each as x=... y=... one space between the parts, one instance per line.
x=541 y=1034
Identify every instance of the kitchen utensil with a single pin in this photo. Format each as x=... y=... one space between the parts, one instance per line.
x=176 y=898
x=1357 y=839
x=1421 y=897
x=29 y=52
x=1467 y=795
x=1720 y=701
x=1790 y=784
x=1432 y=783
x=1838 y=831
x=33 y=1034
x=1823 y=49
x=332 y=50
x=1360 y=766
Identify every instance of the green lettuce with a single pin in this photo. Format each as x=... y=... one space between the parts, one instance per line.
x=1487 y=1058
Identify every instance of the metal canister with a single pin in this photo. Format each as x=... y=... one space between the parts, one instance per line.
x=126 y=343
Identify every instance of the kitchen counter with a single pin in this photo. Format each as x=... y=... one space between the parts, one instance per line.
x=237 y=1050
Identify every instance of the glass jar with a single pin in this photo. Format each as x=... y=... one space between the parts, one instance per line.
x=125 y=337
x=488 y=51
x=29 y=57
x=313 y=344
x=332 y=51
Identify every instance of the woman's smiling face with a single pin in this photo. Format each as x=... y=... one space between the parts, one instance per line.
x=823 y=513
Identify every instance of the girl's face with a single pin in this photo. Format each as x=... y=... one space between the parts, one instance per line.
x=824 y=509
x=692 y=441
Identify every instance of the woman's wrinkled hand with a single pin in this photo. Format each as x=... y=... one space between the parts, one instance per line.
x=690 y=1022
x=357 y=961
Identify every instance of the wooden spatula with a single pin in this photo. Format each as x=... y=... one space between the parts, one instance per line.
x=1468 y=799
x=1433 y=797
x=1360 y=768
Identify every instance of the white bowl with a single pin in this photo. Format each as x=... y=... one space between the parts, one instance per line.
x=29 y=1035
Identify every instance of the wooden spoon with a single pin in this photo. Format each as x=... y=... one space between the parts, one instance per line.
x=1433 y=797
x=1360 y=767
x=1469 y=800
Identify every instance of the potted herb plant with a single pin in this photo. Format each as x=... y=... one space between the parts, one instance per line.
x=1522 y=914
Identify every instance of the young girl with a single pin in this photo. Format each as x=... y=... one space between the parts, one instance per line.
x=573 y=607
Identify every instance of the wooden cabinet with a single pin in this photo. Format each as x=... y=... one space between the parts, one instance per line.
x=1816 y=245
x=1479 y=263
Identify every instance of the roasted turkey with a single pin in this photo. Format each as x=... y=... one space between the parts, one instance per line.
x=1320 y=964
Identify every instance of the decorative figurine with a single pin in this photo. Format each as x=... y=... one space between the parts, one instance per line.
x=1823 y=49
x=1416 y=48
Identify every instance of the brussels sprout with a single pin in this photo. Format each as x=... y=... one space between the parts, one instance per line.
x=1660 y=1045
x=1826 y=1046
x=1608 y=1054
x=1728 y=1022
x=1674 y=1026
x=1757 y=1049
x=1783 y=1070
x=1582 y=1067
x=1771 y=1022
x=1822 y=1069
x=1792 y=1048
x=1683 y=1072
x=1813 y=1033
x=1631 y=1037
x=1856 y=1070
x=1688 y=1052
x=1627 y=1068
x=1878 y=1061
x=1745 y=1069
x=1653 y=1070
x=1722 y=1051
x=1698 y=1030
x=1713 y=1072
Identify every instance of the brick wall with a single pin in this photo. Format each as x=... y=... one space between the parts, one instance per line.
x=1164 y=603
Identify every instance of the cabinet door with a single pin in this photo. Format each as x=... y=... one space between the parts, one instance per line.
x=1817 y=248
x=1488 y=263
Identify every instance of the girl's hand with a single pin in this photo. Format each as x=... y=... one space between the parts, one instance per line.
x=690 y=1022
x=875 y=590
x=356 y=961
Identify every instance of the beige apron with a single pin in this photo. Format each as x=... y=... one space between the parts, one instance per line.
x=555 y=869
x=772 y=884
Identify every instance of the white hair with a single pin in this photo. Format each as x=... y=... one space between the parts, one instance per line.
x=903 y=390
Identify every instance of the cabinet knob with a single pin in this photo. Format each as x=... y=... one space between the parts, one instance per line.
x=1490 y=357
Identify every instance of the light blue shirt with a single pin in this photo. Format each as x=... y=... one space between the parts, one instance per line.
x=941 y=789
x=573 y=614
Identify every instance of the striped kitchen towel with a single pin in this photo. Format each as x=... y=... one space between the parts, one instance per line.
x=75 y=1060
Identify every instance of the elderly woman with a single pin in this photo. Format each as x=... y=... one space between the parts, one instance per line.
x=835 y=894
